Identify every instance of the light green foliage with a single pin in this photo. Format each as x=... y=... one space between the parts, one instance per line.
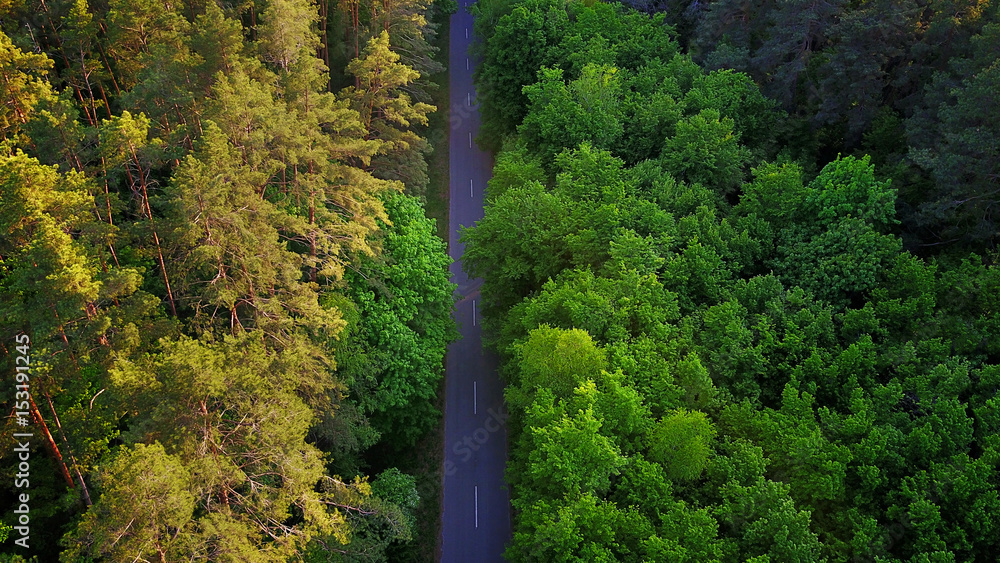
x=558 y=360
x=847 y=187
x=375 y=523
x=142 y=476
x=578 y=529
x=404 y=325
x=567 y=454
x=705 y=150
x=517 y=246
x=604 y=307
x=677 y=198
x=776 y=194
x=515 y=167
x=388 y=113
x=23 y=84
x=686 y=534
x=624 y=416
x=605 y=214
x=591 y=174
x=681 y=442
x=566 y=115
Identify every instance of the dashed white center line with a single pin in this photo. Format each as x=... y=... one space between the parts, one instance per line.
x=470 y=188
x=466 y=63
x=466 y=33
x=468 y=99
x=475 y=399
x=470 y=139
x=473 y=312
x=477 y=505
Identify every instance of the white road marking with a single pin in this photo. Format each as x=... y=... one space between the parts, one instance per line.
x=473 y=312
x=466 y=33
x=470 y=188
x=475 y=399
x=477 y=506
x=470 y=141
x=466 y=63
x=468 y=99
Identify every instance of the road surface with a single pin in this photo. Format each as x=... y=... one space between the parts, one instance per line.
x=476 y=507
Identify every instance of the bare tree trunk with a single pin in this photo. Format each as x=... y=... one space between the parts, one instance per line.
x=79 y=94
x=324 y=49
x=76 y=467
x=152 y=225
x=104 y=57
x=50 y=443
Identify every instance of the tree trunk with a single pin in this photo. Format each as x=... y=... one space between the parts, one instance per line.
x=324 y=49
x=50 y=443
x=152 y=225
x=79 y=95
x=76 y=468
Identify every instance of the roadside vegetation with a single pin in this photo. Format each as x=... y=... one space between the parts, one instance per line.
x=745 y=294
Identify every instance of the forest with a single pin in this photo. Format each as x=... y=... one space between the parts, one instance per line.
x=739 y=263
x=216 y=259
x=740 y=266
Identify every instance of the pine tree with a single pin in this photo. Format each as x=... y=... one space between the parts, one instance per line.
x=80 y=309
x=389 y=114
x=233 y=270
x=226 y=424
x=22 y=83
x=286 y=32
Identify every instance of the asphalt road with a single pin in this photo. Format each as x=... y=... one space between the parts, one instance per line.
x=476 y=508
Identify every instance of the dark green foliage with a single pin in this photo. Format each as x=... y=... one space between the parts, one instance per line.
x=958 y=145
x=839 y=68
